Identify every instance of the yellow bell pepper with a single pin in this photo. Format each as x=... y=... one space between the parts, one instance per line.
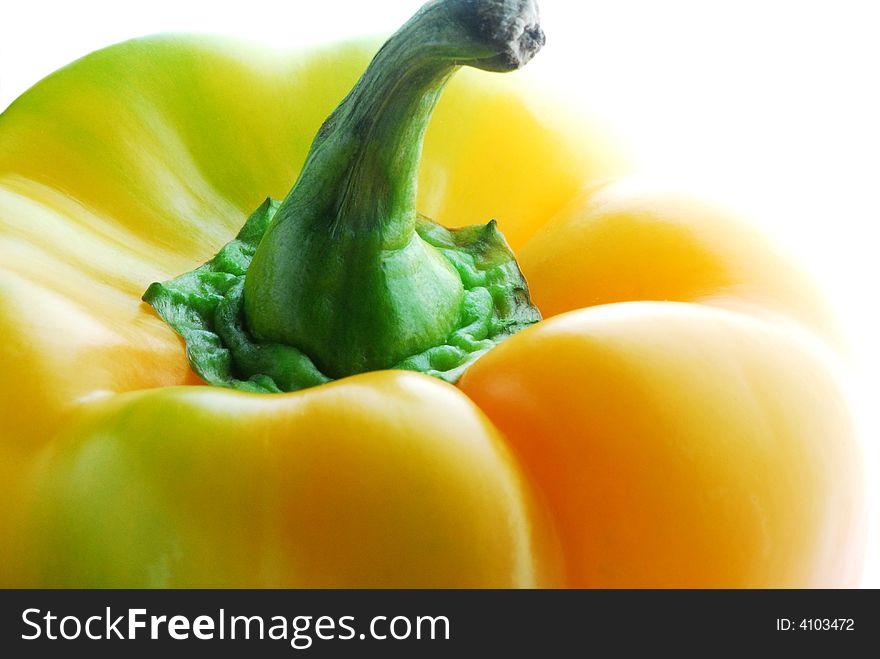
x=692 y=433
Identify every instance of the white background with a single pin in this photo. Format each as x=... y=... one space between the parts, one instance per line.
x=772 y=105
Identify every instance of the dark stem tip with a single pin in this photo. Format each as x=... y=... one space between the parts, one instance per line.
x=510 y=26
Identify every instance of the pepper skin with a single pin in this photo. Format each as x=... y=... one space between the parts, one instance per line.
x=700 y=442
x=681 y=446
x=386 y=479
x=682 y=409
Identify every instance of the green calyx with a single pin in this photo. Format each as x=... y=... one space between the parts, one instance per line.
x=344 y=276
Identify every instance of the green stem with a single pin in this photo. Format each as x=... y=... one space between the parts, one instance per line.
x=342 y=273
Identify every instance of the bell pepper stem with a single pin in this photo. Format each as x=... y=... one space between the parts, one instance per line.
x=344 y=276
x=367 y=152
x=342 y=273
